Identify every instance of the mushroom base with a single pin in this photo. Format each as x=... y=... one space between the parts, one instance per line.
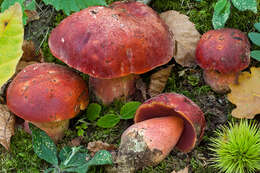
x=219 y=82
x=147 y=143
x=107 y=90
x=55 y=130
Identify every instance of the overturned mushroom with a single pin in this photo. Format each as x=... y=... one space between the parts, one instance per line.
x=223 y=54
x=161 y=123
x=47 y=95
x=113 y=45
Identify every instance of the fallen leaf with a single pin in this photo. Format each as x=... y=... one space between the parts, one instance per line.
x=158 y=81
x=246 y=94
x=7 y=121
x=30 y=53
x=32 y=15
x=185 y=35
x=96 y=146
x=141 y=86
x=185 y=170
x=2 y=100
x=11 y=39
x=75 y=142
x=22 y=64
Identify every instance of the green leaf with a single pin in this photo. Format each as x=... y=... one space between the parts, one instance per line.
x=64 y=153
x=73 y=157
x=11 y=40
x=254 y=37
x=69 y=6
x=128 y=110
x=255 y=54
x=257 y=26
x=49 y=170
x=26 y=5
x=93 y=111
x=43 y=146
x=108 y=121
x=243 y=5
x=102 y=157
x=221 y=13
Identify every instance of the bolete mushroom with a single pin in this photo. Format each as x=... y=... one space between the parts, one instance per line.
x=47 y=95
x=113 y=45
x=163 y=122
x=223 y=53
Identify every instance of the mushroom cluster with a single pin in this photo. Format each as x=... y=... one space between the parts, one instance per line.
x=47 y=95
x=113 y=45
x=223 y=53
x=163 y=122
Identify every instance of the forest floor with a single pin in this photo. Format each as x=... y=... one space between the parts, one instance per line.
x=187 y=81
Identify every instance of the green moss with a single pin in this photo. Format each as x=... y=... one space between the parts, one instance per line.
x=201 y=13
x=21 y=157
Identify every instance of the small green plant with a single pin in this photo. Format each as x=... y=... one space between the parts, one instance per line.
x=68 y=7
x=73 y=5
x=69 y=159
x=222 y=10
x=255 y=38
x=109 y=120
x=237 y=148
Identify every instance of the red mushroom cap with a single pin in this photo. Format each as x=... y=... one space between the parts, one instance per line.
x=167 y=104
x=45 y=92
x=114 y=41
x=224 y=50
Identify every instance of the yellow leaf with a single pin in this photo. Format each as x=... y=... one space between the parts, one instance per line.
x=11 y=40
x=246 y=94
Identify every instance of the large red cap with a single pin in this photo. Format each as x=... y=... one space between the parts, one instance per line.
x=224 y=50
x=114 y=41
x=45 y=92
x=174 y=104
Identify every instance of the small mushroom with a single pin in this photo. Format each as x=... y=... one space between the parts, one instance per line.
x=223 y=54
x=47 y=95
x=113 y=45
x=161 y=123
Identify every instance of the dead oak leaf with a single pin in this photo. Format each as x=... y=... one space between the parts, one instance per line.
x=158 y=81
x=7 y=122
x=30 y=52
x=185 y=34
x=32 y=15
x=246 y=94
x=96 y=146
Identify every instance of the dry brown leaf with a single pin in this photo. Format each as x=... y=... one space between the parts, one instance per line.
x=22 y=64
x=141 y=86
x=159 y=80
x=95 y=146
x=185 y=34
x=75 y=142
x=32 y=15
x=185 y=170
x=7 y=122
x=30 y=53
x=246 y=94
